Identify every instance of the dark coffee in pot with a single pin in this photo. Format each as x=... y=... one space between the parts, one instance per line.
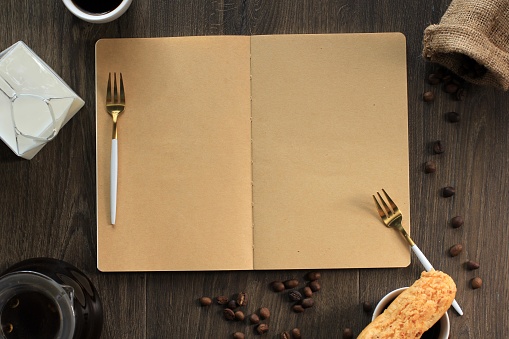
x=97 y=6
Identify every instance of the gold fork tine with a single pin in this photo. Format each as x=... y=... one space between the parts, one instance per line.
x=115 y=92
x=108 y=90
x=393 y=205
x=387 y=209
x=122 y=94
x=379 y=208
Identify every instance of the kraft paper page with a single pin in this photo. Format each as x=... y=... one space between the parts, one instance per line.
x=273 y=142
x=184 y=187
x=329 y=130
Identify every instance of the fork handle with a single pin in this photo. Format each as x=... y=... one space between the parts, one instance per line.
x=428 y=267
x=113 y=180
x=422 y=258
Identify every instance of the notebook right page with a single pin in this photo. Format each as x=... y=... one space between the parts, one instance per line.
x=329 y=130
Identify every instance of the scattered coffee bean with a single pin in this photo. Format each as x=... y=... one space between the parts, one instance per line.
x=229 y=314
x=472 y=265
x=455 y=250
x=239 y=315
x=298 y=308
x=430 y=167
x=452 y=117
x=222 y=300
x=438 y=148
x=254 y=318
x=451 y=88
x=314 y=286
x=307 y=291
x=448 y=191
x=447 y=78
x=460 y=94
x=347 y=333
x=291 y=283
x=205 y=301
x=428 y=96
x=242 y=299
x=311 y=276
x=294 y=295
x=476 y=283
x=307 y=303
x=238 y=335
x=285 y=335
x=296 y=333
x=457 y=221
x=367 y=307
x=434 y=79
x=277 y=286
x=264 y=313
x=232 y=304
x=262 y=328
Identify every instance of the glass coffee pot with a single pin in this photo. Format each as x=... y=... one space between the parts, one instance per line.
x=44 y=298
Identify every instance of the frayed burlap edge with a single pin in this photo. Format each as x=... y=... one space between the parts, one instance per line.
x=446 y=45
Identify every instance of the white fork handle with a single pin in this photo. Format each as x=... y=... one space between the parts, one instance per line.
x=113 y=180
x=428 y=267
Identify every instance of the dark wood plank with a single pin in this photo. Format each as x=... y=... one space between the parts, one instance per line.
x=48 y=203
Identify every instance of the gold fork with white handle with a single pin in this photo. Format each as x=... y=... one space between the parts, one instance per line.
x=115 y=106
x=392 y=217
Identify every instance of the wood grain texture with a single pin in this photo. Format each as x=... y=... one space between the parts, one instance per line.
x=48 y=203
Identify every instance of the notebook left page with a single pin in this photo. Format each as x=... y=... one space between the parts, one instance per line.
x=184 y=180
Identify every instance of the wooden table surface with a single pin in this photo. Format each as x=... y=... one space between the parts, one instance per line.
x=48 y=204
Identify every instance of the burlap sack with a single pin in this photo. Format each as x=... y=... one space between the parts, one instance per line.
x=472 y=40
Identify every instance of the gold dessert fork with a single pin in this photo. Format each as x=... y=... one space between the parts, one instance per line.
x=115 y=106
x=392 y=217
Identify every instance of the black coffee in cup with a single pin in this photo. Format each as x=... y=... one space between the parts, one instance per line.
x=97 y=6
x=30 y=315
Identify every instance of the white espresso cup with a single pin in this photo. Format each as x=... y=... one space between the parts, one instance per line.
x=97 y=11
x=436 y=333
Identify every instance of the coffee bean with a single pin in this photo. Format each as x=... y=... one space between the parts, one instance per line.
x=298 y=308
x=232 y=304
x=438 y=148
x=311 y=276
x=434 y=79
x=264 y=313
x=451 y=87
x=347 y=333
x=452 y=117
x=262 y=328
x=238 y=335
x=285 y=335
x=315 y=286
x=307 y=303
x=239 y=315
x=294 y=295
x=457 y=221
x=222 y=300
x=254 y=318
x=277 y=286
x=476 y=283
x=367 y=307
x=472 y=265
x=296 y=333
x=428 y=96
x=229 y=314
x=205 y=301
x=460 y=94
x=291 y=283
x=448 y=191
x=242 y=299
x=307 y=291
x=455 y=250
x=430 y=167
